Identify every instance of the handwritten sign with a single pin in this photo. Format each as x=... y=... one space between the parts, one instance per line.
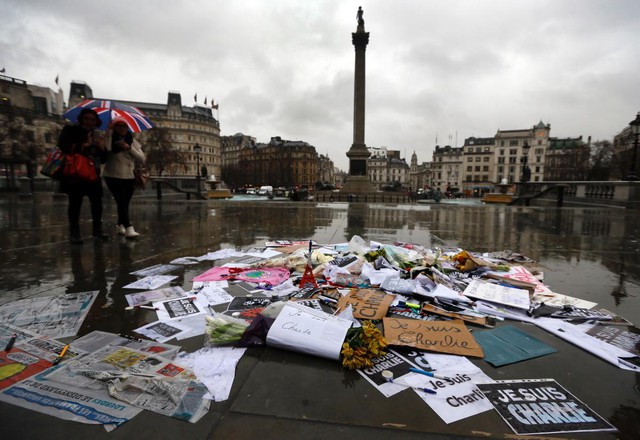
x=367 y=303
x=310 y=331
x=442 y=336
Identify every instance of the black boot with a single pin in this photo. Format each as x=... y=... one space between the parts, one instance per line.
x=75 y=238
x=97 y=232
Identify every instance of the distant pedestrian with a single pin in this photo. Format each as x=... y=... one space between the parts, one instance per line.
x=81 y=138
x=124 y=152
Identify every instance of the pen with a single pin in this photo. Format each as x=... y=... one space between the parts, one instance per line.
x=141 y=307
x=428 y=373
x=11 y=342
x=62 y=353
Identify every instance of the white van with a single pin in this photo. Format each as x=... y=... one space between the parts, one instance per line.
x=265 y=190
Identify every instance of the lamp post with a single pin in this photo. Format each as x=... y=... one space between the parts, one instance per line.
x=635 y=131
x=197 y=148
x=525 y=175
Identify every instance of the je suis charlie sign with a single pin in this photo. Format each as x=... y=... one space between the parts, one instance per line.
x=541 y=406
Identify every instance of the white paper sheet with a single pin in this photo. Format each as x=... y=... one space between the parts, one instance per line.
x=140 y=298
x=163 y=331
x=299 y=328
x=495 y=293
x=595 y=346
x=215 y=367
x=151 y=282
x=458 y=397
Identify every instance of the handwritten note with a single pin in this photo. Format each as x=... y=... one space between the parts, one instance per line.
x=442 y=336
x=310 y=331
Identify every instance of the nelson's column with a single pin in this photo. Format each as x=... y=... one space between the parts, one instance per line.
x=358 y=178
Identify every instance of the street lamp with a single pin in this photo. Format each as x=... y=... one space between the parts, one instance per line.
x=635 y=130
x=197 y=148
x=525 y=175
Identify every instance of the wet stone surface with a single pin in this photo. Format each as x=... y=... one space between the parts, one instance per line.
x=593 y=254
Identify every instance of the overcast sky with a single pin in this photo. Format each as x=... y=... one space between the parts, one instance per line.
x=445 y=69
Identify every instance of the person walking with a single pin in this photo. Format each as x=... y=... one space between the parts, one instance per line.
x=81 y=138
x=124 y=153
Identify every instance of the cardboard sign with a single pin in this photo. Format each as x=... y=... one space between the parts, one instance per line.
x=541 y=406
x=479 y=320
x=367 y=303
x=442 y=336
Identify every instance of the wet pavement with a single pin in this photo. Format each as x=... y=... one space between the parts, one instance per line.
x=592 y=254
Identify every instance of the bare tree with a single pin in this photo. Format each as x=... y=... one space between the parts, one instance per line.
x=161 y=155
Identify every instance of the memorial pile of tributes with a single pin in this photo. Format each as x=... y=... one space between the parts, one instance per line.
x=399 y=314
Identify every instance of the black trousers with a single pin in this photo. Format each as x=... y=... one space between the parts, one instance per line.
x=76 y=192
x=122 y=191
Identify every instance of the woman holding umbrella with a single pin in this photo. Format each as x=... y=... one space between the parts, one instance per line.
x=79 y=138
x=124 y=152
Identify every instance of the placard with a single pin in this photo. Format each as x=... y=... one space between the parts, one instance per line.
x=302 y=329
x=442 y=336
x=541 y=406
x=628 y=340
x=367 y=303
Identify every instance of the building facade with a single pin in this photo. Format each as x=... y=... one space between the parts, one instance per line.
x=386 y=168
x=30 y=123
x=419 y=174
x=280 y=163
x=510 y=147
x=478 y=166
x=567 y=159
x=446 y=168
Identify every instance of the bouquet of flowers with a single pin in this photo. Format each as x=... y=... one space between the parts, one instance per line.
x=361 y=345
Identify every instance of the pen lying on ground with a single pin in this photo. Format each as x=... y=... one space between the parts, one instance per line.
x=62 y=353
x=428 y=373
x=11 y=342
x=388 y=375
x=141 y=307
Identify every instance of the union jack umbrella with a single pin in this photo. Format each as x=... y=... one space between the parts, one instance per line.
x=108 y=110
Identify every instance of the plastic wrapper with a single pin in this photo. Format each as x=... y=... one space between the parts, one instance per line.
x=223 y=330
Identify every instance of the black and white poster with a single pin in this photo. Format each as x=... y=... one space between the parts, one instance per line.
x=628 y=340
x=248 y=302
x=162 y=331
x=541 y=406
x=392 y=361
x=177 y=308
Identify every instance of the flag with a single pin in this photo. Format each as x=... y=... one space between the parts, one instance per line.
x=205 y=100
x=195 y=97
x=214 y=106
x=57 y=78
x=2 y=71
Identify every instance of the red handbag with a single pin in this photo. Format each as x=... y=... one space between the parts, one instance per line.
x=79 y=167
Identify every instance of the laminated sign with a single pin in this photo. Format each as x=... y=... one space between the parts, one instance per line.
x=541 y=406
x=450 y=337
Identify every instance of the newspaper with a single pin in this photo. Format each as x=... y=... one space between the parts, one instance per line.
x=69 y=402
x=139 y=298
x=158 y=269
x=143 y=379
x=57 y=316
x=182 y=399
x=97 y=340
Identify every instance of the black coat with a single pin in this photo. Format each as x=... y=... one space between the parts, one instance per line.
x=70 y=141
